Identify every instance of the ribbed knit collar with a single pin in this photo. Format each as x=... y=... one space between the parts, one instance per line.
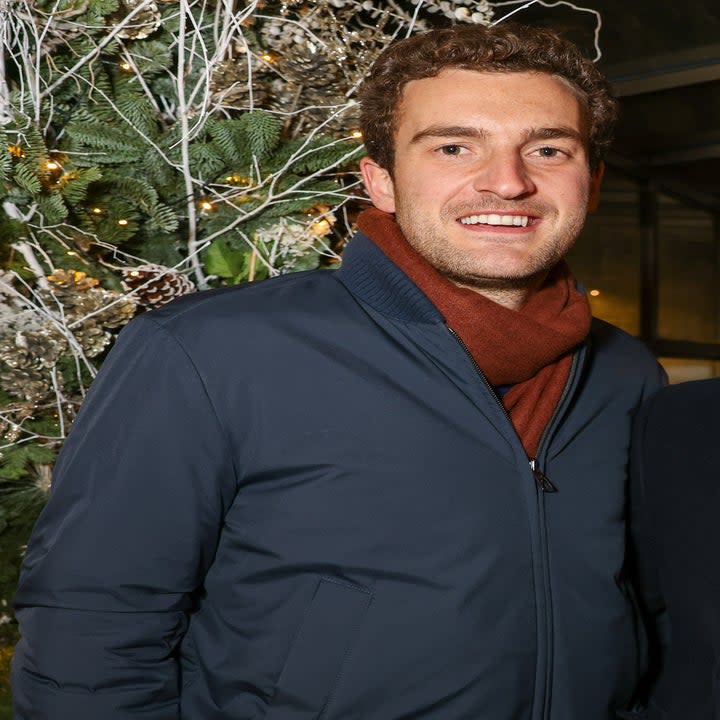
x=368 y=273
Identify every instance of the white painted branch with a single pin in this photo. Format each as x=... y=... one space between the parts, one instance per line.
x=32 y=262
x=183 y=111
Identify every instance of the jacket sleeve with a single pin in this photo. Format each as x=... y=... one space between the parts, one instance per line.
x=643 y=549
x=130 y=528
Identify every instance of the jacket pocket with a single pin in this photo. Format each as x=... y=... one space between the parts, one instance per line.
x=315 y=662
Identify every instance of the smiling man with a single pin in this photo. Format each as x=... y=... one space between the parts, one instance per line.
x=405 y=498
x=496 y=199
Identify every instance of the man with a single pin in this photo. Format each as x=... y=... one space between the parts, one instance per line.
x=675 y=510
x=341 y=518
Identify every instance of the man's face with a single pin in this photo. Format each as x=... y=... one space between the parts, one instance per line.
x=491 y=181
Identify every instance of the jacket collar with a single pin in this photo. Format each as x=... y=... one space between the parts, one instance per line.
x=372 y=277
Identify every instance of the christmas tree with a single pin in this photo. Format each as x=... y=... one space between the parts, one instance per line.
x=150 y=148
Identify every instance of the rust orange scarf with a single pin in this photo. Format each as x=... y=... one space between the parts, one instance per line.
x=530 y=349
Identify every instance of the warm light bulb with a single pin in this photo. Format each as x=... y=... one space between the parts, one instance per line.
x=594 y=293
x=52 y=165
x=357 y=134
x=321 y=227
x=267 y=57
x=125 y=66
x=97 y=210
x=122 y=222
x=206 y=205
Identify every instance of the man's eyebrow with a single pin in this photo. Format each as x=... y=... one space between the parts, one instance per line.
x=563 y=132
x=449 y=131
x=463 y=131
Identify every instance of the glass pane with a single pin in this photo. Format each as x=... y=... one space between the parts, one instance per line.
x=688 y=265
x=606 y=257
x=684 y=370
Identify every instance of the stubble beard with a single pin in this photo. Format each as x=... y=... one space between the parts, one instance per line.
x=469 y=271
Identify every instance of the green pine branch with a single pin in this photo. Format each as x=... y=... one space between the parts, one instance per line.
x=263 y=132
x=75 y=189
x=17 y=459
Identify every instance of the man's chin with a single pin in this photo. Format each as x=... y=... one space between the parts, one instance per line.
x=506 y=281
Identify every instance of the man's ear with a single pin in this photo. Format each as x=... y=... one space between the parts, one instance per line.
x=595 y=182
x=379 y=185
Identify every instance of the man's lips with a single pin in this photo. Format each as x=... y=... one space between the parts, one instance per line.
x=497 y=220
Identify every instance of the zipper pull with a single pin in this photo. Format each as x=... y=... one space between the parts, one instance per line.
x=541 y=478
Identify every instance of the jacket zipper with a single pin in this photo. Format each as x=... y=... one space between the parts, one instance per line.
x=549 y=622
x=544 y=486
x=543 y=481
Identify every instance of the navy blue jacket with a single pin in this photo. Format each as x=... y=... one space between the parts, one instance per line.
x=299 y=499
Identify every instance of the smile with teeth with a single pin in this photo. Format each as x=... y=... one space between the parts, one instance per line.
x=494 y=219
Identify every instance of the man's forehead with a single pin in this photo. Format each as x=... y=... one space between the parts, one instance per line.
x=437 y=100
x=460 y=77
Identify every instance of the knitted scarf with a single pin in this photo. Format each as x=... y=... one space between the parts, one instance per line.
x=530 y=349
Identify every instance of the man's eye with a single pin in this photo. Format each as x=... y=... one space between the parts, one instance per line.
x=549 y=152
x=451 y=149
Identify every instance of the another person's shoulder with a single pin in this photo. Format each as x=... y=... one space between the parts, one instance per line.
x=674 y=441
x=678 y=404
x=678 y=422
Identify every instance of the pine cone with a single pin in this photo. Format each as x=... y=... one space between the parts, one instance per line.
x=75 y=279
x=143 y=24
x=92 y=337
x=77 y=304
x=118 y=311
x=28 y=384
x=230 y=79
x=25 y=358
x=78 y=295
x=31 y=350
x=155 y=285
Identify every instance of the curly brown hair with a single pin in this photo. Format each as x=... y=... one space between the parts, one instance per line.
x=507 y=47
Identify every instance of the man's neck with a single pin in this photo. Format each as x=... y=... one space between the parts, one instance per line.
x=510 y=297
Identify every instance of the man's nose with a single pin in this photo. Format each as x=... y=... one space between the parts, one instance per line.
x=504 y=174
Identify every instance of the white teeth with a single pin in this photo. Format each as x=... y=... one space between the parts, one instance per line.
x=495 y=219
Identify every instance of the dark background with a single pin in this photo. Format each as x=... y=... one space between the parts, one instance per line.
x=663 y=58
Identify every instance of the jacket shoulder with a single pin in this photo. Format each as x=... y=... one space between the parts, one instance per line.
x=609 y=337
x=625 y=357
x=231 y=327
x=282 y=292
